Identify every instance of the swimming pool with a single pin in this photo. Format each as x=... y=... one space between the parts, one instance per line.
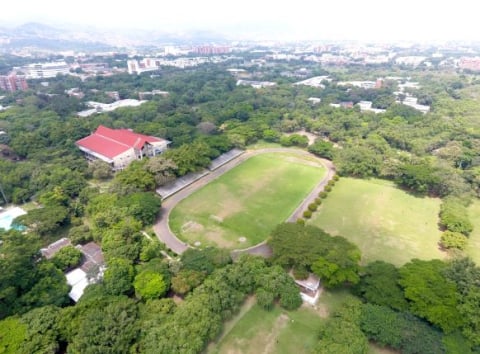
x=7 y=216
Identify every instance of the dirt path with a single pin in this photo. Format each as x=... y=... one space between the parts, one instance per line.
x=162 y=228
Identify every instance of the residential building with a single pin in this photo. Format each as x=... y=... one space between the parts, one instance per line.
x=12 y=83
x=46 y=70
x=90 y=270
x=314 y=100
x=119 y=147
x=255 y=84
x=98 y=107
x=309 y=288
x=315 y=81
x=366 y=106
x=209 y=50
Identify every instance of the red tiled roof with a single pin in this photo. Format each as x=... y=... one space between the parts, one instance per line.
x=112 y=142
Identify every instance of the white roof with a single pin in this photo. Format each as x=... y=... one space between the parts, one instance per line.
x=77 y=279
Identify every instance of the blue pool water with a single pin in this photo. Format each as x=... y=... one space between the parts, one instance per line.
x=7 y=216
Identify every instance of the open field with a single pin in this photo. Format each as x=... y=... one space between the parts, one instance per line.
x=256 y=331
x=385 y=222
x=276 y=331
x=241 y=207
x=473 y=247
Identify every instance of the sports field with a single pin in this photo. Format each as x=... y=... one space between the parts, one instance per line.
x=241 y=207
x=385 y=222
x=473 y=246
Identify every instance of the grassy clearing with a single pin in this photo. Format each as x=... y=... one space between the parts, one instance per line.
x=385 y=222
x=473 y=247
x=247 y=201
x=277 y=331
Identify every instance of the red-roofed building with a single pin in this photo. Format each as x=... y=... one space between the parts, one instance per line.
x=119 y=147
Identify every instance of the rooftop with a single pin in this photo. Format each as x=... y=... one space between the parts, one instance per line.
x=112 y=142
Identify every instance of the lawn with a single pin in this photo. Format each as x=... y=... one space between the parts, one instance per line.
x=255 y=330
x=385 y=222
x=473 y=247
x=241 y=207
x=276 y=331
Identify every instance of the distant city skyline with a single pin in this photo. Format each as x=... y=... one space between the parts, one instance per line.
x=301 y=19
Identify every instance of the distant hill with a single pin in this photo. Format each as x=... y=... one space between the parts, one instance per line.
x=41 y=36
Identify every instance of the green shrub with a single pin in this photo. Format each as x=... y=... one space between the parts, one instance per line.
x=331 y=183
x=451 y=239
x=312 y=207
x=323 y=195
x=318 y=201
x=300 y=272
x=454 y=217
x=327 y=188
x=301 y=221
x=307 y=214
x=336 y=177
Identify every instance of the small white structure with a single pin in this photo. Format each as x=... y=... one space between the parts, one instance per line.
x=255 y=84
x=314 y=100
x=309 y=288
x=78 y=280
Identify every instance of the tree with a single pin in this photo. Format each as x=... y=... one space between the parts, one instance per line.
x=401 y=331
x=379 y=285
x=454 y=217
x=107 y=325
x=118 y=276
x=42 y=330
x=162 y=169
x=342 y=333
x=431 y=295
x=339 y=264
x=205 y=260
x=67 y=258
x=135 y=178
x=100 y=170
x=144 y=206
x=44 y=220
x=322 y=148
x=421 y=177
x=51 y=288
x=379 y=323
x=186 y=280
x=451 y=239
x=12 y=335
x=149 y=285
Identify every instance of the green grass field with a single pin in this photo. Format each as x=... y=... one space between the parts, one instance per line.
x=473 y=247
x=247 y=201
x=276 y=331
x=255 y=330
x=385 y=222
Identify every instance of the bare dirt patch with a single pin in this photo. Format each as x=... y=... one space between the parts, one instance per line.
x=303 y=161
x=272 y=339
x=192 y=226
x=217 y=237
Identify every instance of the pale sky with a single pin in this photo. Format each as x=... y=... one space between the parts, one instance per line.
x=300 y=19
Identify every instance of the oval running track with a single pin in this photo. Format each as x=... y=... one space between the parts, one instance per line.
x=162 y=228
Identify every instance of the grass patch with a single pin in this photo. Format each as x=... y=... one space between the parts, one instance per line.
x=473 y=246
x=383 y=221
x=247 y=201
x=277 y=331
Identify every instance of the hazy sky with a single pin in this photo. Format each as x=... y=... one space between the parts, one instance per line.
x=314 y=19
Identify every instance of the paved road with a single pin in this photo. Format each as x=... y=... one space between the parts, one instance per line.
x=162 y=229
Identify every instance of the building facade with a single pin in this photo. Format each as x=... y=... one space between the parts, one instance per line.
x=119 y=147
